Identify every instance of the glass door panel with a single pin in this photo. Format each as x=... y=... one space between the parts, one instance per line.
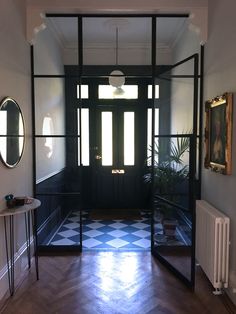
x=129 y=139
x=85 y=136
x=107 y=139
x=174 y=168
x=149 y=133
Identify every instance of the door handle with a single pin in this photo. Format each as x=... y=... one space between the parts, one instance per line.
x=98 y=157
x=118 y=171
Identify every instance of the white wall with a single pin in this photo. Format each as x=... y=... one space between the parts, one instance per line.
x=220 y=76
x=15 y=82
x=220 y=69
x=49 y=102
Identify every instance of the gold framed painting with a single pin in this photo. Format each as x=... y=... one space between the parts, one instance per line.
x=218 y=133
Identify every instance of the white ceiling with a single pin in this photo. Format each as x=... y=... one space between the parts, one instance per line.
x=131 y=31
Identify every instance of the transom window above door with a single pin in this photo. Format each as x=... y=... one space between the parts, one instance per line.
x=123 y=92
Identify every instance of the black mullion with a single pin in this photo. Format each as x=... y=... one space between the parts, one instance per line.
x=185 y=60
x=172 y=135
x=59 y=193
x=33 y=119
x=80 y=65
x=84 y=76
x=166 y=15
x=179 y=76
x=11 y=135
x=193 y=164
x=153 y=127
x=200 y=121
x=80 y=68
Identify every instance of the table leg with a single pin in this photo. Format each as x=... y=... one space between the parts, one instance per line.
x=27 y=233
x=35 y=237
x=10 y=252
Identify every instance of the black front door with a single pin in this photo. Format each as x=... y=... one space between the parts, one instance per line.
x=117 y=155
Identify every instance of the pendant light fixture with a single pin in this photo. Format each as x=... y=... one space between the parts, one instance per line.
x=117 y=78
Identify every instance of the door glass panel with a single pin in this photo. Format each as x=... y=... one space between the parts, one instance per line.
x=107 y=134
x=129 y=138
x=124 y=92
x=50 y=102
x=150 y=91
x=84 y=92
x=172 y=211
x=78 y=132
x=85 y=136
x=149 y=133
x=174 y=175
x=48 y=130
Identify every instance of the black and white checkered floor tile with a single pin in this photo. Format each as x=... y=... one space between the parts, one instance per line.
x=104 y=234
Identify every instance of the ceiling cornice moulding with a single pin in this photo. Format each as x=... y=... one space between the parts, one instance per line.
x=36 y=10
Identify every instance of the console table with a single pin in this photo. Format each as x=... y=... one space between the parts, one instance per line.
x=29 y=211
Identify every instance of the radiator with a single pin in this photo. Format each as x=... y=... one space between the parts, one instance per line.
x=212 y=243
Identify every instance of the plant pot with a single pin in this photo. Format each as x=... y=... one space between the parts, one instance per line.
x=169 y=227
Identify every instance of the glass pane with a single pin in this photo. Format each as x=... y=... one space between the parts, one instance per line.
x=48 y=130
x=172 y=32
x=124 y=92
x=177 y=98
x=3 y=131
x=129 y=138
x=79 y=161
x=84 y=92
x=50 y=161
x=85 y=136
x=132 y=45
x=150 y=91
x=21 y=132
x=172 y=213
x=78 y=121
x=107 y=158
x=78 y=132
x=50 y=103
x=56 y=46
x=149 y=133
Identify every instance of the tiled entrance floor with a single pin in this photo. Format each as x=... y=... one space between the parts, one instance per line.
x=105 y=234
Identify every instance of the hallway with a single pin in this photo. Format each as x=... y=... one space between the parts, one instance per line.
x=110 y=282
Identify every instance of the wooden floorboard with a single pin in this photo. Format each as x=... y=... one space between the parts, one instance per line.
x=110 y=283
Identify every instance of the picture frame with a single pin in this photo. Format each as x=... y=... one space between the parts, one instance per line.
x=218 y=133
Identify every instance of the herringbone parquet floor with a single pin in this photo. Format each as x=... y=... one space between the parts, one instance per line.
x=110 y=283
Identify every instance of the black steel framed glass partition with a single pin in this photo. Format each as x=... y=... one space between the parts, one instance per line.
x=66 y=155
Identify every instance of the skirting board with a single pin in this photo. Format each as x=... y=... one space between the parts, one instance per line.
x=21 y=265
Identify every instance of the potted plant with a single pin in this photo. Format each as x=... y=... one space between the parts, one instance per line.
x=169 y=173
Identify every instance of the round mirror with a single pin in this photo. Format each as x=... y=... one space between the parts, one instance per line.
x=12 y=135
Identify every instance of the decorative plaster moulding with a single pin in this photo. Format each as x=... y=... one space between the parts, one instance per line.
x=198 y=11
